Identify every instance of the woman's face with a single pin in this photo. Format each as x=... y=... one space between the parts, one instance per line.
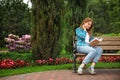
x=87 y=25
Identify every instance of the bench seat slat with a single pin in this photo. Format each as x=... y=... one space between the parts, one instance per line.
x=81 y=54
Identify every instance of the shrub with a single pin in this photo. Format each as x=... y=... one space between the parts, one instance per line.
x=17 y=56
x=18 y=44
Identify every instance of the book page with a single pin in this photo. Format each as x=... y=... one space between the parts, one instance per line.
x=95 y=41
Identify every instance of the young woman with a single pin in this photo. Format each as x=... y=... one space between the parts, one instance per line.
x=84 y=36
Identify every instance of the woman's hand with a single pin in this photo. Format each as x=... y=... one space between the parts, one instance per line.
x=84 y=28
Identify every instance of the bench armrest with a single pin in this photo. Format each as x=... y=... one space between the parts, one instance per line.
x=74 y=45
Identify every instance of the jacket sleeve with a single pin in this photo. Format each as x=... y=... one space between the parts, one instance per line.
x=80 y=33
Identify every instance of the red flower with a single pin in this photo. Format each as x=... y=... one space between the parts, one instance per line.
x=7 y=63
x=20 y=63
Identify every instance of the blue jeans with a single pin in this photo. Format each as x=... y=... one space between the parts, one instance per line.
x=92 y=53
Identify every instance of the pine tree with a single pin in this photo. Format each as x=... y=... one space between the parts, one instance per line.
x=46 y=27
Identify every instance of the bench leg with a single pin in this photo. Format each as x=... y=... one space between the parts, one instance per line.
x=74 y=62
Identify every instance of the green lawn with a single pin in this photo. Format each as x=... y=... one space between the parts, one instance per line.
x=30 y=69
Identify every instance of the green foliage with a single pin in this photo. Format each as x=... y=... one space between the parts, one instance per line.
x=14 y=55
x=111 y=34
x=3 y=48
x=113 y=14
x=46 y=29
x=118 y=52
x=105 y=14
x=15 y=18
x=66 y=33
x=71 y=19
x=78 y=9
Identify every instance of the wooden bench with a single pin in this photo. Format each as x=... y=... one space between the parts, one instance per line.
x=110 y=46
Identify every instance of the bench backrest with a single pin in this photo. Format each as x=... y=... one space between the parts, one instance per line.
x=108 y=43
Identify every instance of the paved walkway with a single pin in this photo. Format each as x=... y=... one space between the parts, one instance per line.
x=102 y=74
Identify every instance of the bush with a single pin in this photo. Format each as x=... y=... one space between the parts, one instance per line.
x=17 y=56
x=22 y=44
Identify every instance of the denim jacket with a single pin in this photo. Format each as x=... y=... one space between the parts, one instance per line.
x=80 y=34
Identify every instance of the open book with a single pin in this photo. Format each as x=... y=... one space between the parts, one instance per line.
x=95 y=41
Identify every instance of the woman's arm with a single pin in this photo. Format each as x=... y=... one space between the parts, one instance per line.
x=80 y=33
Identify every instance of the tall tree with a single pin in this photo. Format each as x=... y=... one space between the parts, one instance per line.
x=78 y=8
x=75 y=12
x=46 y=27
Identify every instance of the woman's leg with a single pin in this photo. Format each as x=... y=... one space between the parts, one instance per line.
x=90 y=51
x=95 y=59
x=99 y=51
x=91 y=68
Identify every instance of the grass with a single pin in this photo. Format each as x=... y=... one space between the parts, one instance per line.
x=30 y=69
x=107 y=65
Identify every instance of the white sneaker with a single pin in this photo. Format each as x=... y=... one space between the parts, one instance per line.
x=91 y=71
x=80 y=71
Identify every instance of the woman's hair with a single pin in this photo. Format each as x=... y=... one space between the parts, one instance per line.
x=90 y=29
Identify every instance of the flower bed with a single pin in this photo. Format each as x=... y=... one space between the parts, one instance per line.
x=9 y=63
x=103 y=59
